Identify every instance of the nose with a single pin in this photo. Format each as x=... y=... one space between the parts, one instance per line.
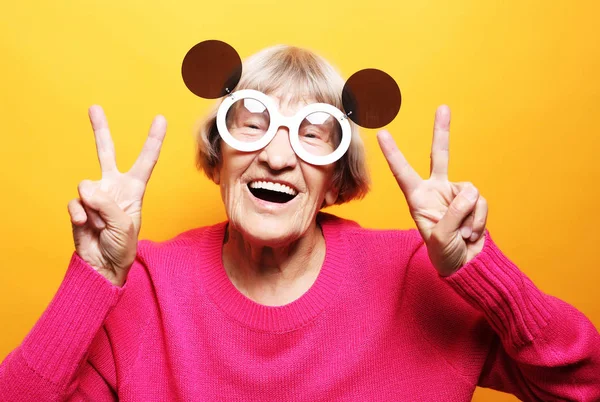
x=279 y=154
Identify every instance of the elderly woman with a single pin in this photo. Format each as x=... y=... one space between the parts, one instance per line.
x=284 y=302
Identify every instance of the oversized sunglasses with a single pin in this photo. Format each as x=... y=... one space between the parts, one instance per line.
x=247 y=120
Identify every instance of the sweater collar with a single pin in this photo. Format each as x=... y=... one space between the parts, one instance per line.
x=274 y=319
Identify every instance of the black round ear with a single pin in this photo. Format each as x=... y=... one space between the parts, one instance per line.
x=371 y=98
x=211 y=69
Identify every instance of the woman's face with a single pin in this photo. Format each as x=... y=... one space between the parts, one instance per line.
x=249 y=182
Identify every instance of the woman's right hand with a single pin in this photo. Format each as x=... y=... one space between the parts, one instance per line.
x=106 y=219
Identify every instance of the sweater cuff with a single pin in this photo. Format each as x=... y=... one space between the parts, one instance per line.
x=515 y=308
x=59 y=341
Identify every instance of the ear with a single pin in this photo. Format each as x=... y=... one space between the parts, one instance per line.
x=331 y=196
x=216 y=176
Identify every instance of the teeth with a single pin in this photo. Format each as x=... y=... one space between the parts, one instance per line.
x=267 y=185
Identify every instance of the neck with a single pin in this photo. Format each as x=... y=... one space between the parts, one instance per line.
x=274 y=275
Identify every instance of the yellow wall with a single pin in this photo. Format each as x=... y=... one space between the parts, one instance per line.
x=521 y=79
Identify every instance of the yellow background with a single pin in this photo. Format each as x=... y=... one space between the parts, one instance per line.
x=521 y=79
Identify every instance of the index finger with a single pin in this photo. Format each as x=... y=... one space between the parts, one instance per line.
x=408 y=179
x=144 y=164
x=104 y=143
x=440 y=144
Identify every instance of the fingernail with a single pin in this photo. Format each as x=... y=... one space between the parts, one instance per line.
x=384 y=135
x=465 y=231
x=471 y=193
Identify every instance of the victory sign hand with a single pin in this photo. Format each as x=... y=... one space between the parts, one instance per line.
x=106 y=219
x=450 y=216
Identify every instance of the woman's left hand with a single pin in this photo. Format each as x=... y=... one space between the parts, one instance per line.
x=451 y=217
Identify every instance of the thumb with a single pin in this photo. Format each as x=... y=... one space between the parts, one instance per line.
x=93 y=197
x=459 y=209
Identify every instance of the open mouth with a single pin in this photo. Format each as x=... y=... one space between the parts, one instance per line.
x=272 y=192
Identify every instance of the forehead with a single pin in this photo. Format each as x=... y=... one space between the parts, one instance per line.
x=289 y=96
x=286 y=103
x=290 y=103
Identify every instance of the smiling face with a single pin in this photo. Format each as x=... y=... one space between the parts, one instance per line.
x=272 y=196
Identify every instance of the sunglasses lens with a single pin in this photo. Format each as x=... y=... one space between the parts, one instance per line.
x=211 y=68
x=320 y=133
x=371 y=98
x=248 y=120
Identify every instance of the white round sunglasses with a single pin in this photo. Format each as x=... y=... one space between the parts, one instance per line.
x=277 y=120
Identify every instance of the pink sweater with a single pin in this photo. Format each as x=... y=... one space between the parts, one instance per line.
x=378 y=324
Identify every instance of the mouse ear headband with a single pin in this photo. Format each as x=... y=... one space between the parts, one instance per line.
x=212 y=69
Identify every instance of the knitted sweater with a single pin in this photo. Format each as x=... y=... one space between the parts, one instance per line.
x=378 y=324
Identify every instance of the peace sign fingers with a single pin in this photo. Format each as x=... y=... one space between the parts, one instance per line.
x=408 y=179
x=440 y=145
x=104 y=143
x=143 y=166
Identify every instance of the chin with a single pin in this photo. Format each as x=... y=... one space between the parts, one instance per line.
x=269 y=230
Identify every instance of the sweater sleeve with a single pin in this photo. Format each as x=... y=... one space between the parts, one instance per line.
x=51 y=362
x=545 y=349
